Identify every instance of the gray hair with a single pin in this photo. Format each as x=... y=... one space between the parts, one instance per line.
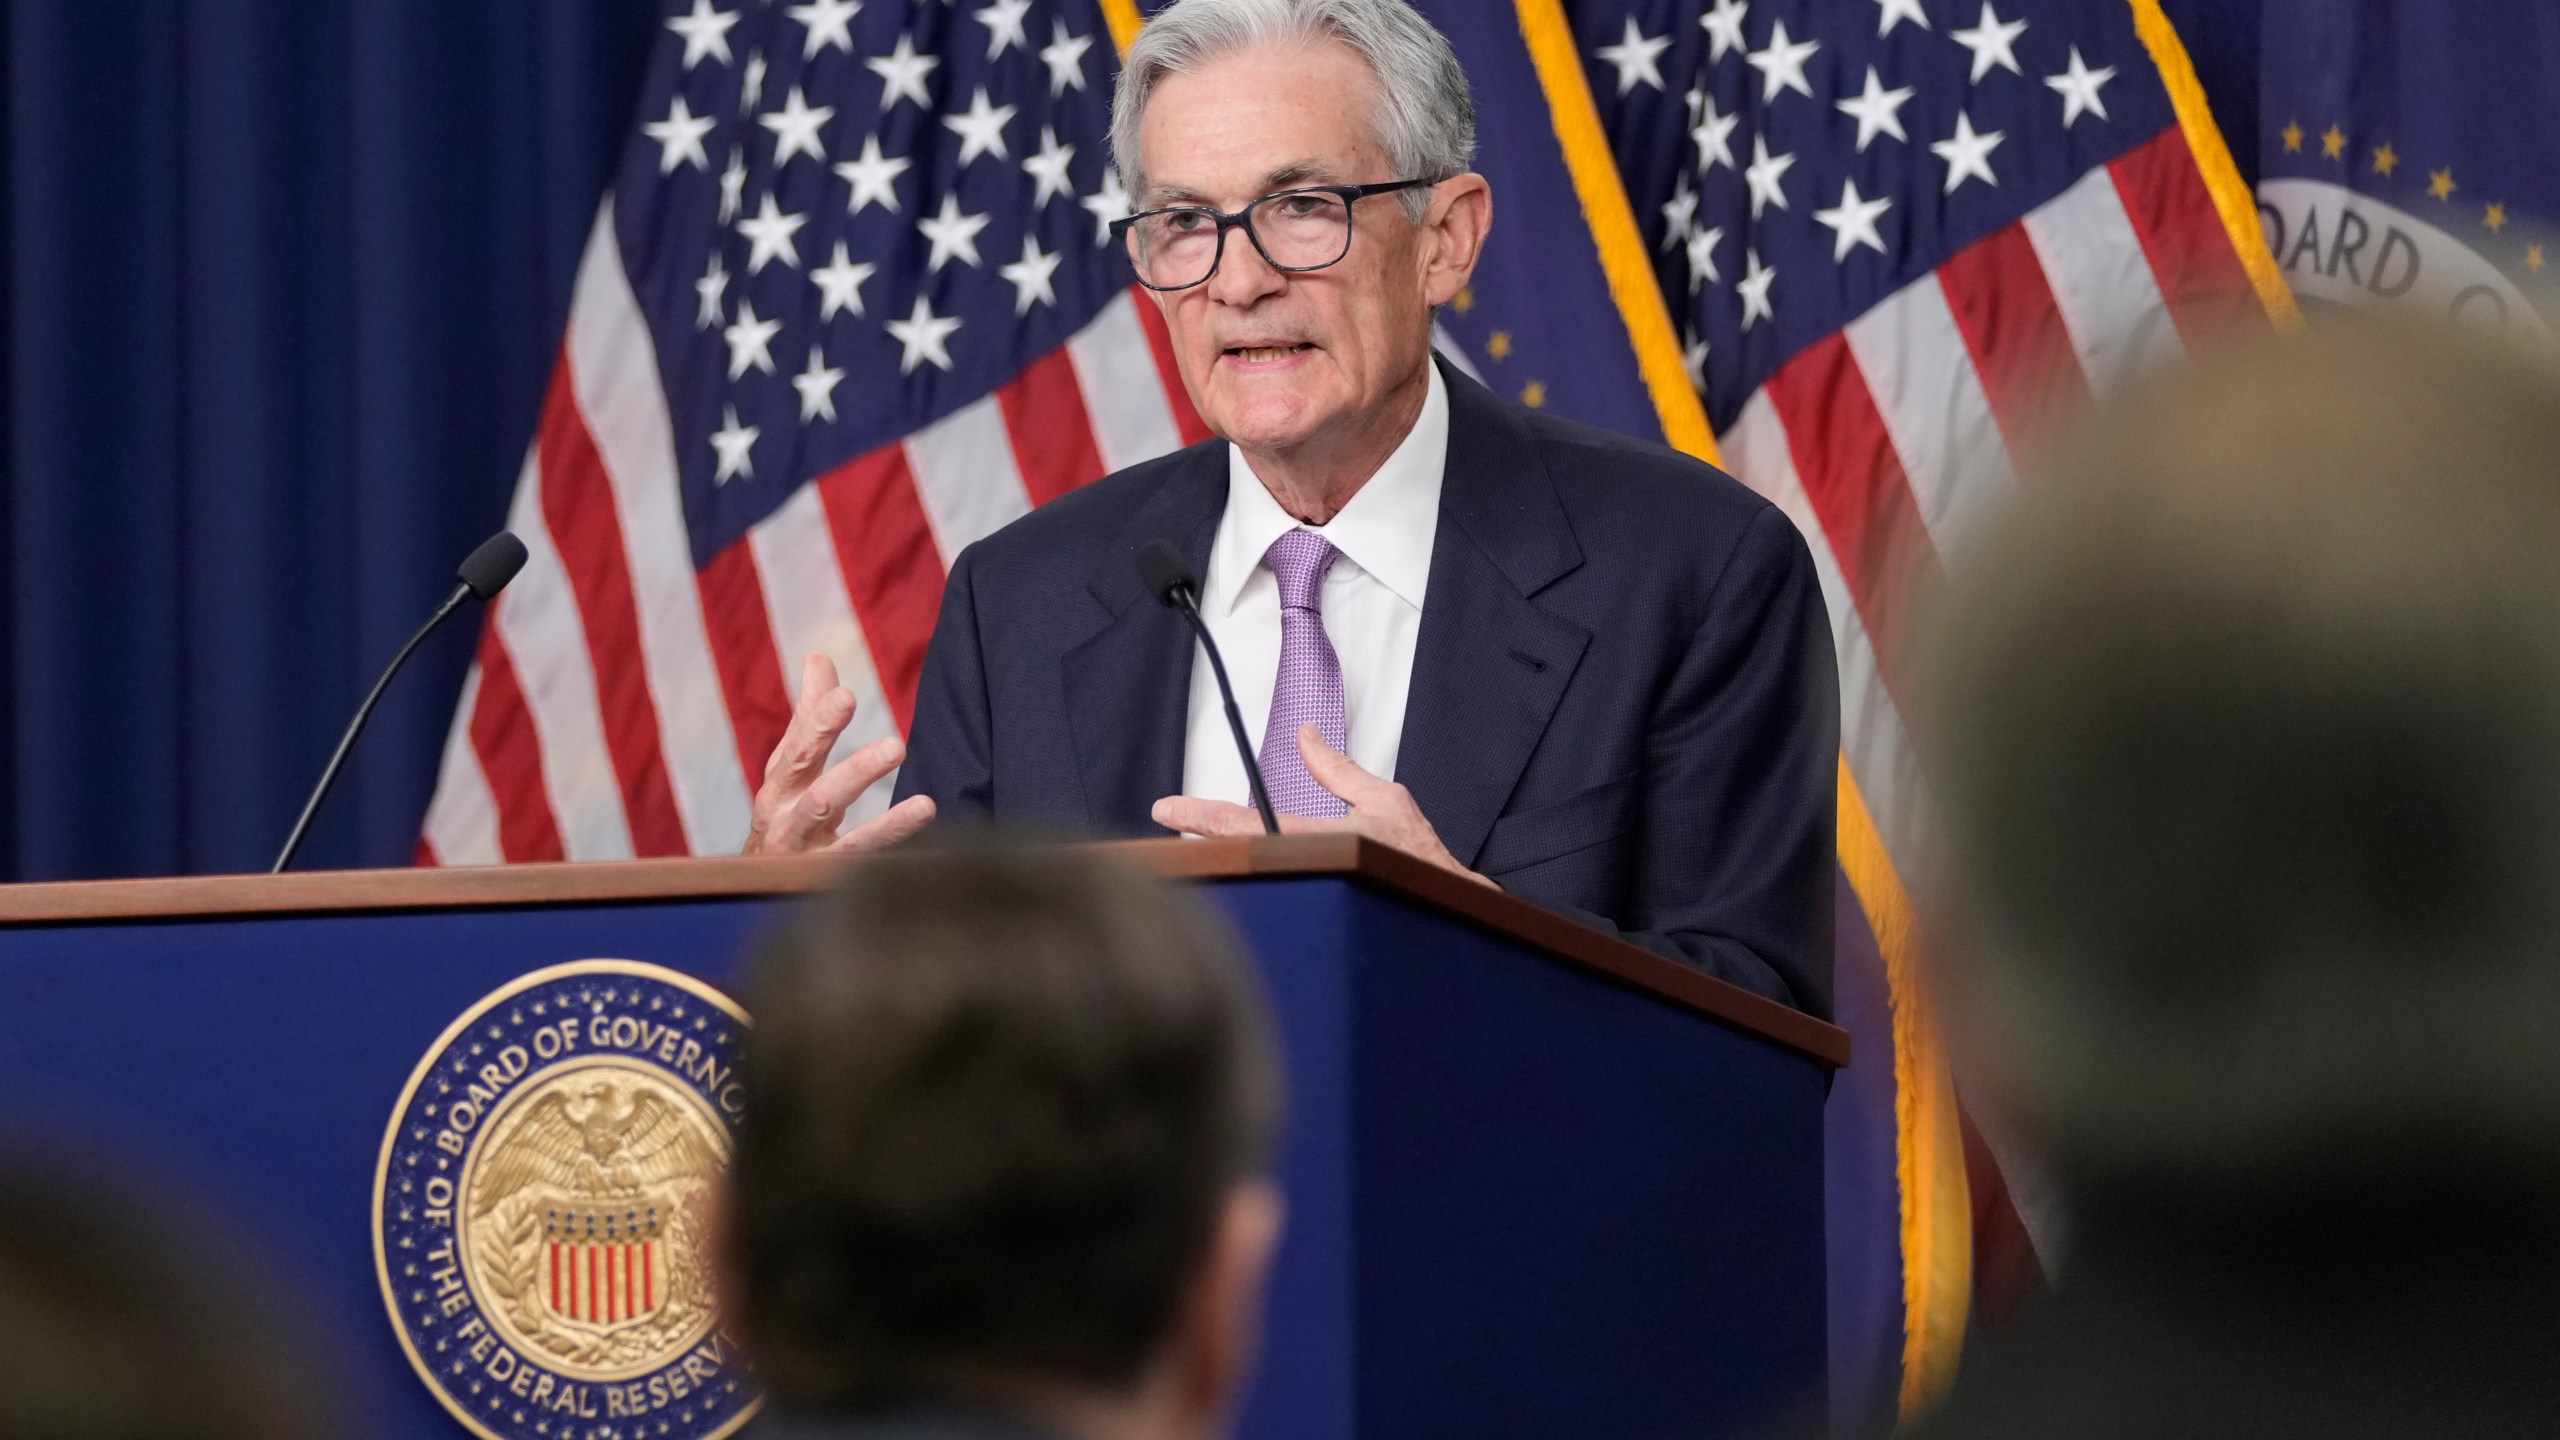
x=1426 y=119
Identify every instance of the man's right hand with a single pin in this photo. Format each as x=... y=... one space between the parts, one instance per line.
x=804 y=800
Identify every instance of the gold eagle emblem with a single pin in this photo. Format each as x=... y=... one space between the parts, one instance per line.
x=587 y=1222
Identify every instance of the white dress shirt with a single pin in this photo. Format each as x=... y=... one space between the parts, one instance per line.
x=1372 y=605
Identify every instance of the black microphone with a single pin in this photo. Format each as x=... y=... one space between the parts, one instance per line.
x=1168 y=577
x=481 y=577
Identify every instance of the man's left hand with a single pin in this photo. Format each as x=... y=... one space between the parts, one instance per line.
x=1380 y=809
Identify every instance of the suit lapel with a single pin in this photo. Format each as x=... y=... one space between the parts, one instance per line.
x=1489 y=667
x=1128 y=684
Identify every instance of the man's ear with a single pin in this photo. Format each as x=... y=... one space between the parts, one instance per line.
x=1454 y=228
x=1220 y=1334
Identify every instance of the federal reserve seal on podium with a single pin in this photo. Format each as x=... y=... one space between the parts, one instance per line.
x=542 y=1221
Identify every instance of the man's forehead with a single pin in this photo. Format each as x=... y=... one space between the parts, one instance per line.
x=1264 y=117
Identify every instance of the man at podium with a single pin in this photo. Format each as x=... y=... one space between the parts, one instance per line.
x=1588 y=670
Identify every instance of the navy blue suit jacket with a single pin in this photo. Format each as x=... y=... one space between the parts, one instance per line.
x=1623 y=702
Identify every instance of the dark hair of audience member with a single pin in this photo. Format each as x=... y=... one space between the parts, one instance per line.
x=997 y=1099
x=116 y=1324
x=2246 y=726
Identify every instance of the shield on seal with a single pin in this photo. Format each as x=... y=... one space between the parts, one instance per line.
x=605 y=1267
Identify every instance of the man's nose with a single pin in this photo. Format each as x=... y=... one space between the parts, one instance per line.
x=1243 y=276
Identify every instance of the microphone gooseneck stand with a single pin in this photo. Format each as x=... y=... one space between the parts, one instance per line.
x=482 y=576
x=1168 y=576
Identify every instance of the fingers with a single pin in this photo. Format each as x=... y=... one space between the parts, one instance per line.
x=809 y=819
x=817 y=677
x=824 y=709
x=896 y=827
x=1191 y=815
x=1332 y=769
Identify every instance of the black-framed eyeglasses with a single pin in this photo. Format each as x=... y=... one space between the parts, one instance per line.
x=1307 y=228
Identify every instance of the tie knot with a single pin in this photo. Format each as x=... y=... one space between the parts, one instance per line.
x=1299 y=560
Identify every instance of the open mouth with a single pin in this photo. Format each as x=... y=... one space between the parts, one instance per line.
x=1266 y=354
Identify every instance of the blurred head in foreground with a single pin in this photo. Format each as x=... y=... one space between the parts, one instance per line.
x=115 y=1325
x=1010 y=1113
x=2246 y=723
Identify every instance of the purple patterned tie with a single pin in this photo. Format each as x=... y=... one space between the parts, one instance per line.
x=1309 y=687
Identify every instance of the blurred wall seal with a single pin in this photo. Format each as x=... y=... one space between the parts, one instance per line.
x=542 y=1208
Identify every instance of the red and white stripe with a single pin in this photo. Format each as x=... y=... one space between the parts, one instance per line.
x=1886 y=442
x=623 y=701
x=603 y=1284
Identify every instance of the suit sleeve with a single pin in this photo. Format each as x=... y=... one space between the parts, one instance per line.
x=1737 y=870
x=951 y=745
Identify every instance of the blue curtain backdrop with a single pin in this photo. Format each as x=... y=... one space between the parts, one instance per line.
x=285 y=279
x=285 y=282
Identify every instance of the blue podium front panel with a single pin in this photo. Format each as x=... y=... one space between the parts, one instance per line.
x=1522 y=1200
x=248 y=1067
x=1581 y=1210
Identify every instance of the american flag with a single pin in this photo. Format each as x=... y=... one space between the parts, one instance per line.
x=1899 y=240
x=850 y=305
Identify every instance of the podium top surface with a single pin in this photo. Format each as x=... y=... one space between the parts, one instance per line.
x=1350 y=857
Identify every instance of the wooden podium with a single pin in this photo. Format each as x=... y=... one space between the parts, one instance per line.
x=1540 y=1182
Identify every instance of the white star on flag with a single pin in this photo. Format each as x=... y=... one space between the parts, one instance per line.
x=713 y=290
x=1894 y=12
x=1877 y=110
x=902 y=75
x=733 y=185
x=771 y=232
x=1764 y=176
x=1030 y=277
x=1680 y=212
x=1754 y=290
x=1781 y=65
x=1852 y=222
x=1714 y=137
x=873 y=177
x=829 y=22
x=1049 y=168
x=817 y=387
x=795 y=129
x=1723 y=25
x=1637 y=57
x=1106 y=204
x=1003 y=20
x=981 y=130
x=1064 y=55
x=923 y=334
x=1702 y=257
x=1991 y=42
x=751 y=87
x=705 y=32
x=750 y=341
x=736 y=445
x=2078 y=87
x=952 y=233
x=839 y=283
x=679 y=138
x=1967 y=154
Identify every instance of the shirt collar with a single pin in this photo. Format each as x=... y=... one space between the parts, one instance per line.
x=1386 y=530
